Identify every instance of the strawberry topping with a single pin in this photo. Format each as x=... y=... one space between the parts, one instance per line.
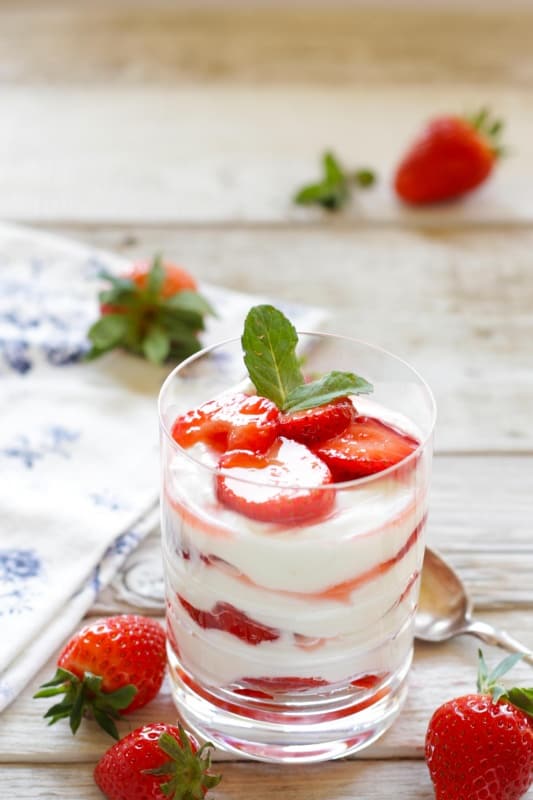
x=236 y=422
x=274 y=497
x=365 y=447
x=286 y=683
x=313 y=425
x=225 y=617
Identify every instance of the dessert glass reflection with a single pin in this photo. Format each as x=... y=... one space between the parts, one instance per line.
x=290 y=639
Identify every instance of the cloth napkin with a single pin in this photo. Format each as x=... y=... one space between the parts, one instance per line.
x=78 y=443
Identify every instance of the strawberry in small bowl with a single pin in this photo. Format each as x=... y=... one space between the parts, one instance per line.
x=294 y=503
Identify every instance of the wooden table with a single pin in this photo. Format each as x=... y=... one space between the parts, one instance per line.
x=143 y=127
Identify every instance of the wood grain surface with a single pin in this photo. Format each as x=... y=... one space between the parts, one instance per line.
x=151 y=127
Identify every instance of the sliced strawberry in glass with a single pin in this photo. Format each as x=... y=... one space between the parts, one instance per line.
x=273 y=495
x=314 y=425
x=367 y=446
x=225 y=617
x=284 y=683
x=237 y=422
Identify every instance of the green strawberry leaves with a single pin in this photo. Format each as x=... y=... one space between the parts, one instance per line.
x=82 y=695
x=333 y=191
x=269 y=342
x=488 y=683
x=145 y=322
x=187 y=770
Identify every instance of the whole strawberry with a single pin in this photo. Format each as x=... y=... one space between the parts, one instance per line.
x=154 y=310
x=155 y=762
x=480 y=746
x=451 y=157
x=110 y=667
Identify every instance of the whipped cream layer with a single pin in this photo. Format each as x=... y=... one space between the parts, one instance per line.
x=340 y=591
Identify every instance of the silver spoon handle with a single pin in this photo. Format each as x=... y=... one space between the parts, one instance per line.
x=493 y=636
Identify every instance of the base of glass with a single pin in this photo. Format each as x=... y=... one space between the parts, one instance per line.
x=304 y=731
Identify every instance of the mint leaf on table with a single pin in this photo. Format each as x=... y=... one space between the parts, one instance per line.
x=269 y=343
x=333 y=191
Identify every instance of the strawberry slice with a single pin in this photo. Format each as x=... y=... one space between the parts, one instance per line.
x=285 y=683
x=225 y=617
x=274 y=495
x=313 y=425
x=367 y=446
x=236 y=422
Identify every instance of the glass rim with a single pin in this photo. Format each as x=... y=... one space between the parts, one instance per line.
x=355 y=482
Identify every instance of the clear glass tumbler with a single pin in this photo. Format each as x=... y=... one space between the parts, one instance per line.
x=293 y=642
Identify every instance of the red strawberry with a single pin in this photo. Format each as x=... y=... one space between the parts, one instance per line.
x=480 y=746
x=225 y=617
x=285 y=466
x=112 y=667
x=155 y=762
x=367 y=446
x=153 y=310
x=317 y=424
x=451 y=157
x=288 y=683
x=236 y=422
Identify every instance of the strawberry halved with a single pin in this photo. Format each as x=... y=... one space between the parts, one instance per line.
x=274 y=496
x=313 y=425
x=225 y=617
x=236 y=422
x=365 y=447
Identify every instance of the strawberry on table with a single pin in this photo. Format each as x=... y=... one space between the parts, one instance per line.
x=237 y=422
x=154 y=310
x=110 y=667
x=365 y=447
x=156 y=762
x=480 y=746
x=286 y=466
x=452 y=156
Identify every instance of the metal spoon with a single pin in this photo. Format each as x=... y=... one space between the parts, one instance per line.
x=445 y=610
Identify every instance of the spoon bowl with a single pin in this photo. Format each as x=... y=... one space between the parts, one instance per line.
x=445 y=610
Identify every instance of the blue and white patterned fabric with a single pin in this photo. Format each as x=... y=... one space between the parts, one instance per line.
x=78 y=443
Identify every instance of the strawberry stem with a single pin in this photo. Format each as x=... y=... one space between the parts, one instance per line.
x=487 y=683
x=188 y=771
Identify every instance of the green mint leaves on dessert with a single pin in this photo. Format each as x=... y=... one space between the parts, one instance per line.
x=333 y=191
x=269 y=343
x=149 y=314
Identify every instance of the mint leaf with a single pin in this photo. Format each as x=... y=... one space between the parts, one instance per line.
x=331 y=386
x=269 y=343
x=108 y=331
x=156 y=344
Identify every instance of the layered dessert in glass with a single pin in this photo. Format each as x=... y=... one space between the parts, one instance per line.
x=293 y=543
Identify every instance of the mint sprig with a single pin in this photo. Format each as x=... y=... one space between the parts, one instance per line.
x=141 y=320
x=333 y=191
x=269 y=342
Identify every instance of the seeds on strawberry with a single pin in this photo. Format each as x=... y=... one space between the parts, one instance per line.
x=156 y=762
x=236 y=422
x=313 y=425
x=365 y=447
x=265 y=487
x=110 y=667
x=225 y=617
x=481 y=745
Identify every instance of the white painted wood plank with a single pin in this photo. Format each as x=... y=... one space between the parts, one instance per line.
x=208 y=154
x=130 y=41
x=335 y=781
x=455 y=304
x=439 y=673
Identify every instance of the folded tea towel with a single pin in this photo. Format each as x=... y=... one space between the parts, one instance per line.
x=78 y=443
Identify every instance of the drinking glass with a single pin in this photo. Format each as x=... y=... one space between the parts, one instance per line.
x=292 y=642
